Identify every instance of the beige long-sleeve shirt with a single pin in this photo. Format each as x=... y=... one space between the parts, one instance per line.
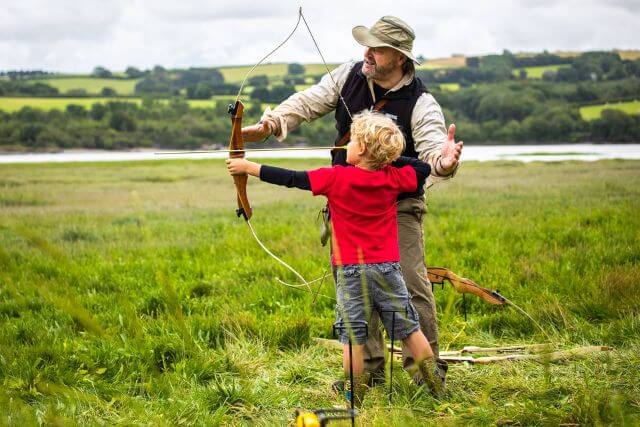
x=427 y=121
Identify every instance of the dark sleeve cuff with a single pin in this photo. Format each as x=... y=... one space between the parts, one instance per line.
x=423 y=170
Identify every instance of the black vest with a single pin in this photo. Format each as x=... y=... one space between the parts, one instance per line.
x=357 y=96
x=399 y=106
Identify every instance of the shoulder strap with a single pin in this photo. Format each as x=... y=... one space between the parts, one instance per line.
x=347 y=136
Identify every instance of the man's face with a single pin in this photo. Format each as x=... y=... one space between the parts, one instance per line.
x=379 y=62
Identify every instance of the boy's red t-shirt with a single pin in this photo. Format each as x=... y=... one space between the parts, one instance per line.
x=363 y=210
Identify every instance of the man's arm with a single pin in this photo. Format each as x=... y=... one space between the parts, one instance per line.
x=307 y=105
x=431 y=137
x=422 y=169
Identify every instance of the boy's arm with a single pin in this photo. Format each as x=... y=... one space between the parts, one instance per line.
x=286 y=177
x=423 y=169
x=270 y=174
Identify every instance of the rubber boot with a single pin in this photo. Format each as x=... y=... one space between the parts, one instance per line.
x=429 y=374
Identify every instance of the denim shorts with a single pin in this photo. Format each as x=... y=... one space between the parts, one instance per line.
x=361 y=288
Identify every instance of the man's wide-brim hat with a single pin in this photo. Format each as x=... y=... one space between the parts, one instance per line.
x=388 y=31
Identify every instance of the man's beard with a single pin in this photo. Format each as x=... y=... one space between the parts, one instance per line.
x=378 y=72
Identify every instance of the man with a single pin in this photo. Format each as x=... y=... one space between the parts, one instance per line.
x=386 y=73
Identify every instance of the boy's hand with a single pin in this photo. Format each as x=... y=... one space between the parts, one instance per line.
x=242 y=167
x=237 y=166
x=450 y=153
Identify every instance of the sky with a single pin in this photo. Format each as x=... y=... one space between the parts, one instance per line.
x=75 y=36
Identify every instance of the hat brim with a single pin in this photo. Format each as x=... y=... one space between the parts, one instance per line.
x=364 y=37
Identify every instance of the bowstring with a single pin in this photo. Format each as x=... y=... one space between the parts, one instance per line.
x=268 y=55
x=325 y=65
x=324 y=62
x=255 y=236
x=262 y=245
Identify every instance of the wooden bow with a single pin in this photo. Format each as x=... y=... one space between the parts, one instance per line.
x=236 y=151
x=463 y=285
x=236 y=145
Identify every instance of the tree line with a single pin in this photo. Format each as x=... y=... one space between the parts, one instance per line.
x=498 y=107
x=540 y=111
x=505 y=112
x=589 y=66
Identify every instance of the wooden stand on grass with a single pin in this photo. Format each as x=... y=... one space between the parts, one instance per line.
x=534 y=352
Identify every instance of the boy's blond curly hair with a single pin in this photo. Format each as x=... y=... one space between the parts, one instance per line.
x=381 y=136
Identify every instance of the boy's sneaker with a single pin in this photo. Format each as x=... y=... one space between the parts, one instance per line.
x=338 y=387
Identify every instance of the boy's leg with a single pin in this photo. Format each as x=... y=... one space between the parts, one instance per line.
x=360 y=378
x=373 y=351
x=414 y=270
x=410 y=236
x=418 y=345
x=427 y=368
x=353 y=310
x=400 y=319
x=358 y=367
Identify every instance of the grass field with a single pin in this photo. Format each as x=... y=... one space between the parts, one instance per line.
x=536 y=72
x=93 y=86
x=593 y=112
x=131 y=294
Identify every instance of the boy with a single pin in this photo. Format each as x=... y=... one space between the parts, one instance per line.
x=365 y=251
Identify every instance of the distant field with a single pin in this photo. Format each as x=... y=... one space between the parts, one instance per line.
x=452 y=62
x=593 y=112
x=536 y=72
x=315 y=69
x=276 y=71
x=629 y=54
x=92 y=85
x=206 y=103
x=236 y=74
x=10 y=104
x=453 y=87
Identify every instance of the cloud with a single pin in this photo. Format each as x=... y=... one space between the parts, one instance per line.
x=75 y=36
x=34 y=22
x=209 y=11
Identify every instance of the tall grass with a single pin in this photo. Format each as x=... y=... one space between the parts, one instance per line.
x=130 y=293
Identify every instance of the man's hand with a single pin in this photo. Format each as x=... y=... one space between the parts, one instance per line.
x=242 y=167
x=257 y=132
x=450 y=152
